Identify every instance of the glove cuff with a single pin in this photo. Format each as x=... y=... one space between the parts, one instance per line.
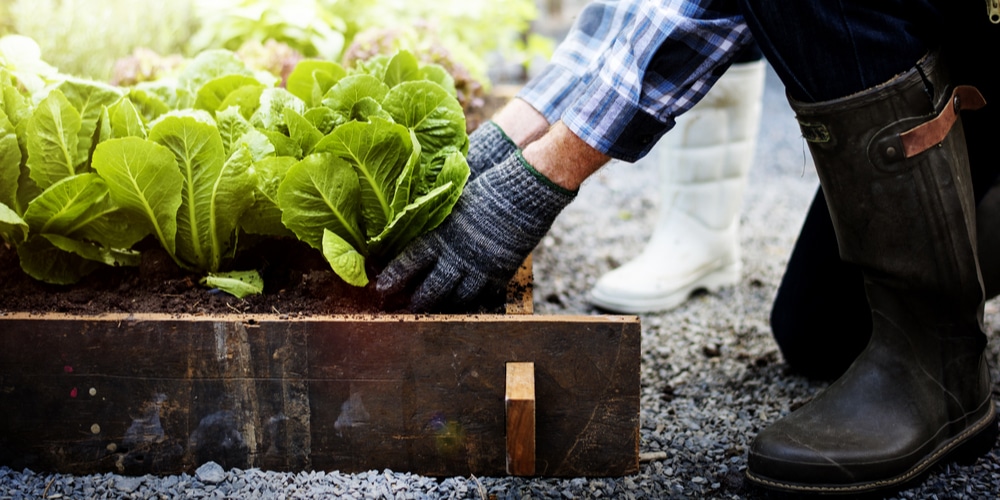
x=488 y=145
x=531 y=199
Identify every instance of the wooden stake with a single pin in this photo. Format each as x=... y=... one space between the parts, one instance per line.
x=520 y=403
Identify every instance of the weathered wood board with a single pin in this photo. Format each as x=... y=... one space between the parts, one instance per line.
x=424 y=394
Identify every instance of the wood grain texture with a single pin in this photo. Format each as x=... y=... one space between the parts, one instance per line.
x=520 y=410
x=424 y=394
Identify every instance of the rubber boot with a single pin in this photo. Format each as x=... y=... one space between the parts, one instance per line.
x=703 y=163
x=902 y=208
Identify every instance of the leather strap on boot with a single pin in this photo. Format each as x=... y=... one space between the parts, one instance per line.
x=933 y=132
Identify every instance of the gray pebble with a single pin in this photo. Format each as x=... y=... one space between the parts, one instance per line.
x=210 y=473
x=128 y=484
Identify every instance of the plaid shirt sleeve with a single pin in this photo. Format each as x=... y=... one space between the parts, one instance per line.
x=575 y=62
x=649 y=61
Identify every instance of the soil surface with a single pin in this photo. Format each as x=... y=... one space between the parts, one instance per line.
x=296 y=281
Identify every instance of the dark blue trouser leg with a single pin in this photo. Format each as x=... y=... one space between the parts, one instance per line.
x=831 y=49
x=820 y=317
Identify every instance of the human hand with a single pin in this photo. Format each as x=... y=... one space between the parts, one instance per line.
x=498 y=221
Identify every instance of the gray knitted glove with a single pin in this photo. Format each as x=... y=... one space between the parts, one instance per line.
x=488 y=145
x=499 y=219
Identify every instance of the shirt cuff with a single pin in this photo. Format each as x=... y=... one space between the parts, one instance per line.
x=613 y=123
x=551 y=91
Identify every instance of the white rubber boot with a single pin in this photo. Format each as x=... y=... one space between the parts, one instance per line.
x=703 y=163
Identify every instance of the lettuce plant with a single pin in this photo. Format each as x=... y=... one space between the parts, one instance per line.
x=390 y=169
x=356 y=163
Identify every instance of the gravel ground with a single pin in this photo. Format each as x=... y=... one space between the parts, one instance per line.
x=711 y=374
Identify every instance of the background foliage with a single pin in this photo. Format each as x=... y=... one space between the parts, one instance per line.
x=86 y=37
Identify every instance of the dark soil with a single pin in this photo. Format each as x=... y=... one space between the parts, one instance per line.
x=297 y=282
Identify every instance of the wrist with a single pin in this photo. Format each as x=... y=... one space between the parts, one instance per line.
x=520 y=122
x=563 y=158
x=543 y=179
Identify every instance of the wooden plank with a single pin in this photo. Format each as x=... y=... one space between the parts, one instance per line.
x=419 y=393
x=520 y=411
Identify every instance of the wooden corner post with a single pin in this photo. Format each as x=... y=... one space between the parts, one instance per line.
x=520 y=409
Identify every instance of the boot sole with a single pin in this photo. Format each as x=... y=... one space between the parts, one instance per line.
x=964 y=449
x=711 y=282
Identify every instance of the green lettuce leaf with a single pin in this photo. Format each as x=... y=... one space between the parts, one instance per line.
x=283 y=145
x=403 y=67
x=104 y=255
x=67 y=205
x=209 y=65
x=126 y=120
x=456 y=173
x=215 y=192
x=312 y=78
x=53 y=139
x=211 y=96
x=405 y=183
x=264 y=216
x=367 y=108
x=45 y=262
x=426 y=212
x=10 y=161
x=13 y=229
x=246 y=99
x=143 y=178
x=235 y=130
x=232 y=127
x=440 y=76
x=344 y=259
x=322 y=192
x=431 y=112
x=271 y=113
x=240 y=284
x=89 y=99
x=149 y=104
x=349 y=90
x=13 y=103
x=302 y=131
x=378 y=150
x=324 y=119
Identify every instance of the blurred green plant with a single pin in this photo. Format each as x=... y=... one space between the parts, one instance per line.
x=85 y=37
x=307 y=26
x=469 y=29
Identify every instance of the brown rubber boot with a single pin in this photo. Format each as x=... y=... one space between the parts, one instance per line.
x=894 y=168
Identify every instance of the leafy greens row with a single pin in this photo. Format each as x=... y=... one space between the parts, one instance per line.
x=354 y=162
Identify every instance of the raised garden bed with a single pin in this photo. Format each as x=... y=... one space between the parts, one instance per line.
x=145 y=371
x=164 y=392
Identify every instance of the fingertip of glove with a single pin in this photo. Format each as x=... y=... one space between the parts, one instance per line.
x=438 y=286
x=384 y=284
